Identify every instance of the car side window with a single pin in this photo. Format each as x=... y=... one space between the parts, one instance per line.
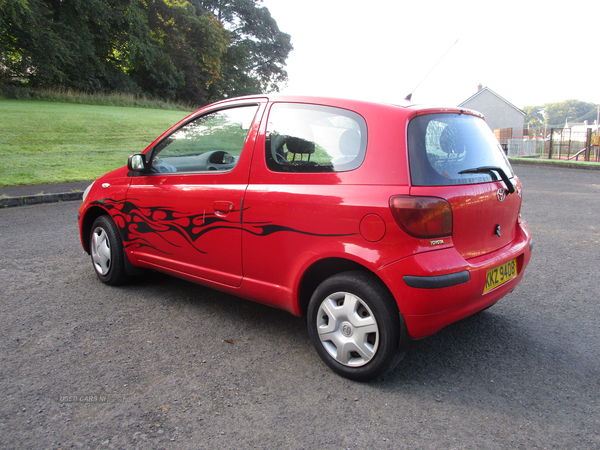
x=312 y=138
x=211 y=142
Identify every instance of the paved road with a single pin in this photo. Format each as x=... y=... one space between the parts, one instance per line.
x=524 y=374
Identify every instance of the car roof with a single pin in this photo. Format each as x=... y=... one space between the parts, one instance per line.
x=355 y=104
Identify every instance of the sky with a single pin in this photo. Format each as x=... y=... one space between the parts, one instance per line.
x=529 y=52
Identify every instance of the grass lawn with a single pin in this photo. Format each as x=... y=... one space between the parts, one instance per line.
x=557 y=162
x=48 y=142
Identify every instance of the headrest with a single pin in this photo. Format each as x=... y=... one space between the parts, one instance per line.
x=299 y=145
x=451 y=140
x=350 y=143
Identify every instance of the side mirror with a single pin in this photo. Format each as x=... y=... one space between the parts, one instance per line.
x=136 y=163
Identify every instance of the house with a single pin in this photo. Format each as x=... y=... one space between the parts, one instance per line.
x=499 y=113
x=581 y=127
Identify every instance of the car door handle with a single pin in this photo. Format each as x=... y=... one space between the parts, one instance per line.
x=222 y=207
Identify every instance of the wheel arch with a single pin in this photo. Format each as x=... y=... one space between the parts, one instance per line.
x=86 y=224
x=322 y=269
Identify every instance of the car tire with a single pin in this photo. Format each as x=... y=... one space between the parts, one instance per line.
x=355 y=326
x=106 y=251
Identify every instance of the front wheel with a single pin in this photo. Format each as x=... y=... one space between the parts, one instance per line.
x=354 y=325
x=106 y=250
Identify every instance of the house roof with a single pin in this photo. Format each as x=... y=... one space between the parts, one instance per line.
x=581 y=127
x=493 y=93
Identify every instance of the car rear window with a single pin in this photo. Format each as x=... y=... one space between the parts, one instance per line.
x=313 y=138
x=440 y=146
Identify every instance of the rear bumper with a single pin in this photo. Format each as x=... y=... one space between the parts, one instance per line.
x=434 y=289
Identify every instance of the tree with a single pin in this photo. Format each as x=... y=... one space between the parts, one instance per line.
x=59 y=43
x=179 y=51
x=192 y=50
x=558 y=113
x=257 y=51
x=534 y=117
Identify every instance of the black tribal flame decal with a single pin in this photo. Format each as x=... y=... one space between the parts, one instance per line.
x=135 y=221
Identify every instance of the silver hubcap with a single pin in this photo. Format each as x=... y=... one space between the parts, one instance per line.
x=347 y=329
x=101 y=255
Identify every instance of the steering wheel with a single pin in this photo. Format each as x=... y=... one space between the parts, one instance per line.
x=159 y=166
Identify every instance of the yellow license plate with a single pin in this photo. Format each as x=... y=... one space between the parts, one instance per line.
x=500 y=275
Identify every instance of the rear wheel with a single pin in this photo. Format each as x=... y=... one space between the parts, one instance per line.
x=106 y=250
x=354 y=324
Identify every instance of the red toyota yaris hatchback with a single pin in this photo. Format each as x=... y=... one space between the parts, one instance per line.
x=378 y=223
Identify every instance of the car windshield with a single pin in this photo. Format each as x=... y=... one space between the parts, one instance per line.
x=446 y=149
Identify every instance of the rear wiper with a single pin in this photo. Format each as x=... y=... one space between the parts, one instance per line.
x=491 y=169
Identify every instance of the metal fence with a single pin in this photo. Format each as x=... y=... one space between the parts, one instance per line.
x=555 y=143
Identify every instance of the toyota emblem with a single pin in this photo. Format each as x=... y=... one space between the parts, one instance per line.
x=346 y=329
x=501 y=194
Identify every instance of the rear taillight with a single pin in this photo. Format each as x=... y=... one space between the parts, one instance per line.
x=422 y=217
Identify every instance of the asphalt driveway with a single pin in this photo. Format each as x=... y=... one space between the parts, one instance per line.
x=162 y=363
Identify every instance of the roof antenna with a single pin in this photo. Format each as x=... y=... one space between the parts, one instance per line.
x=409 y=96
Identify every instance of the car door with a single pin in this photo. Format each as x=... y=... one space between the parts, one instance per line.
x=186 y=213
x=298 y=203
